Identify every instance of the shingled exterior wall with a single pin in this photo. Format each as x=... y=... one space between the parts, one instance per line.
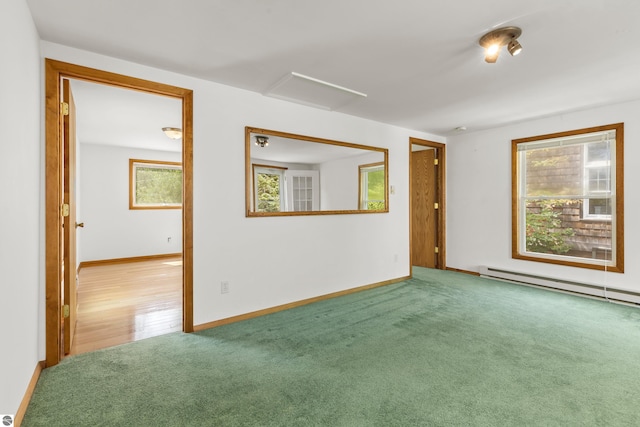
x=560 y=171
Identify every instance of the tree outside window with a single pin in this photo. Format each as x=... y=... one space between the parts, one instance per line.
x=155 y=184
x=372 y=186
x=268 y=182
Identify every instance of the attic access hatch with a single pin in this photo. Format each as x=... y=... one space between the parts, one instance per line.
x=301 y=89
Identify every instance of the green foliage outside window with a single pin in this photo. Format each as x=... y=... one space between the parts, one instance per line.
x=158 y=186
x=372 y=188
x=375 y=206
x=375 y=189
x=544 y=231
x=268 y=192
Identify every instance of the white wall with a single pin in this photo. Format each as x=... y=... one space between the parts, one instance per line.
x=317 y=254
x=20 y=213
x=111 y=230
x=479 y=196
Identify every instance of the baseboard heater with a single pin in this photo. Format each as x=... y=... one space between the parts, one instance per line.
x=598 y=291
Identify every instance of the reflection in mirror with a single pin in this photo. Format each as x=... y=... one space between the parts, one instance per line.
x=288 y=174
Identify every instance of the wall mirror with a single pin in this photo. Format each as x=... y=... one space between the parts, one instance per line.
x=288 y=174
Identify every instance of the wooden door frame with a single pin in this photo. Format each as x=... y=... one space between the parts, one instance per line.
x=440 y=189
x=69 y=229
x=54 y=72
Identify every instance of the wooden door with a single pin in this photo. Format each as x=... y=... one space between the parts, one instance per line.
x=69 y=287
x=424 y=214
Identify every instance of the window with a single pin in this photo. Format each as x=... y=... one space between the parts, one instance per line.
x=372 y=186
x=568 y=198
x=268 y=184
x=597 y=176
x=155 y=184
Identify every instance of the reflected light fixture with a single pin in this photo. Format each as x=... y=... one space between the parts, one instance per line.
x=173 y=133
x=493 y=41
x=262 y=141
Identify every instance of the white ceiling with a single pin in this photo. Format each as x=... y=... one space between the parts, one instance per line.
x=418 y=61
x=108 y=115
x=290 y=150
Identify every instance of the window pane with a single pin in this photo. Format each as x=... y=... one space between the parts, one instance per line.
x=598 y=180
x=268 y=192
x=599 y=206
x=556 y=226
x=554 y=171
x=372 y=187
x=158 y=186
x=375 y=183
x=598 y=152
x=548 y=226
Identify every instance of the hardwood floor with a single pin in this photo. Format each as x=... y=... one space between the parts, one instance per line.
x=120 y=303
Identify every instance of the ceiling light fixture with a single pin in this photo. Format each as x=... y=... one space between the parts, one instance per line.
x=514 y=47
x=493 y=41
x=173 y=133
x=262 y=141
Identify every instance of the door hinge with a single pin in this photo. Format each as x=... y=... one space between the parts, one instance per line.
x=437 y=250
x=64 y=108
x=435 y=162
x=65 y=310
x=436 y=206
x=64 y=210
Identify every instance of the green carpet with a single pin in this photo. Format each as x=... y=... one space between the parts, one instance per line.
x=441 y=349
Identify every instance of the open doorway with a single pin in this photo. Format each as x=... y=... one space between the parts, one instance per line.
x=58 y=208
x=129 y=269
x=427 y=203
x=121 y=301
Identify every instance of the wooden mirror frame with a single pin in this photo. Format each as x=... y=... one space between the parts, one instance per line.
x=249 y=173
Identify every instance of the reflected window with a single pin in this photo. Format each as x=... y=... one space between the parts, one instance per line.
x=269 y=188
x=372 y=186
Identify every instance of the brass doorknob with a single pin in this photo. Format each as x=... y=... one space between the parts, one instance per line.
x=80 y=224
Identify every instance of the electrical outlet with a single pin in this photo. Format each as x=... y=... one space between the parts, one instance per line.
x=395 y=258
x=224 y=287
